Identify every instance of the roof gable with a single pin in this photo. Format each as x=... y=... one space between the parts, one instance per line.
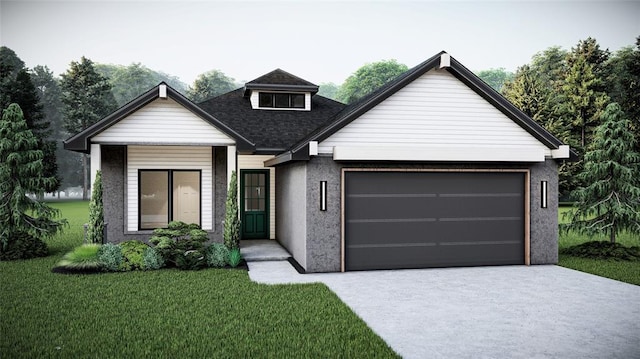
x=280 y=80
x=446 y=63
x=163 y=121
x=80 y=141
x=435 y=112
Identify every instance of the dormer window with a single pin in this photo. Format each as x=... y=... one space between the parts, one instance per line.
x=281 y=100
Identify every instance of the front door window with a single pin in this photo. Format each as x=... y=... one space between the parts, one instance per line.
x=255 y=194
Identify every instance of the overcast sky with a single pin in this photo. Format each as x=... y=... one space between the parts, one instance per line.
x=317 y=40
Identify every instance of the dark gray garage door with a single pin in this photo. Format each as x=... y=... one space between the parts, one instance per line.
x=433 y=219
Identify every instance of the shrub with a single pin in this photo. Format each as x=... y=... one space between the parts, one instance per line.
x=82 y=258
x=231 y=233
x=152 y=259
x=217 y=255
x=234 y=257
x=191 y=260
x=132 y=252
x=95 y=227
x=181 y=245
x=110 y=255
x=23 y=246
x=603 y=250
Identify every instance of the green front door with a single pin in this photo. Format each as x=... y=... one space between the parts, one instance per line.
x=254 y=204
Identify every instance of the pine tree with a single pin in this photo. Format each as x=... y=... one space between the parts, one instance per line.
x=610 y=203
x=25 y=222
x=231 y=233
x=95 y=230
x=87 y=98
x=16 y=86
x=583 y=100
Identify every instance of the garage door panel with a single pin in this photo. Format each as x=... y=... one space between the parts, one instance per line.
x=436 y=256
x=432 y=232
x=435 y=207
x=433 y=219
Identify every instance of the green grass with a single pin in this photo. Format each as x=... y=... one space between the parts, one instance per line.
x=625 y=271
x=168 y=313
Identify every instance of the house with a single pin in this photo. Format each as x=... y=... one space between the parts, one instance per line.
x=433 y=169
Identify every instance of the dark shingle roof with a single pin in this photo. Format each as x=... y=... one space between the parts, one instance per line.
x=272 y=131
x=280 y=80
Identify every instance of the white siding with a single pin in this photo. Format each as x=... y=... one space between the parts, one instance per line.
x=163 y=121
x=170 y=157
x=436 y=111
x=256 y=162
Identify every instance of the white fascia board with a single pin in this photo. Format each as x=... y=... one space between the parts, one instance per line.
x=563 y=151
x=472 y=154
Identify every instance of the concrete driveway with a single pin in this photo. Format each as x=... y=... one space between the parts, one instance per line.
x=486 y=312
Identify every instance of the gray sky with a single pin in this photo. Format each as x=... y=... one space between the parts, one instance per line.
x=317 y=40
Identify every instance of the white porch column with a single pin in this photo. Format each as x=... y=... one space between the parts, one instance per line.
x=231 y=163
x=96 y=163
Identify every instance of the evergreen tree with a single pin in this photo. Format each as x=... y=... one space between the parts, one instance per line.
x=49 y=92
x=25 y=222
x=624 y=84
x=17 y=86
x=231 y=234
x=590 y=52
x=610 y=202
x=87 y=98
x=583 y=103
x=95 y=230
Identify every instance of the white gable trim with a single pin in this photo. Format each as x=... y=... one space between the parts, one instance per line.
x=439 y=153
x=163 y=122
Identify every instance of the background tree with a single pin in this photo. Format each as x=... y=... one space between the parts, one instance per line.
x=68 y=162
x=25 y=222
x=583 y=89
x=328 y=90
x=623 y=84
x=210 y=84
x=18 y=87
x=129 y=82
x=495 y=77
x=87 y=98
x=610 y=202
x=369 y=78
x=10 y=64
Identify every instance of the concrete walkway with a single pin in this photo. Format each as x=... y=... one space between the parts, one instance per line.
x=263 y=250
x=486 y=312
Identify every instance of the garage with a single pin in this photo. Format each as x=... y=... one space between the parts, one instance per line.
x=419 y=219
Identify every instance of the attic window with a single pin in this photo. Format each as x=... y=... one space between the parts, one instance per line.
x=281 y=100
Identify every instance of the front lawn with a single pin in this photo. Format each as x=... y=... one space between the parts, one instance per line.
x=625 y=271
x=168 y=313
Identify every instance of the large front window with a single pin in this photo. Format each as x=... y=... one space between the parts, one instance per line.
x=168 y=195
